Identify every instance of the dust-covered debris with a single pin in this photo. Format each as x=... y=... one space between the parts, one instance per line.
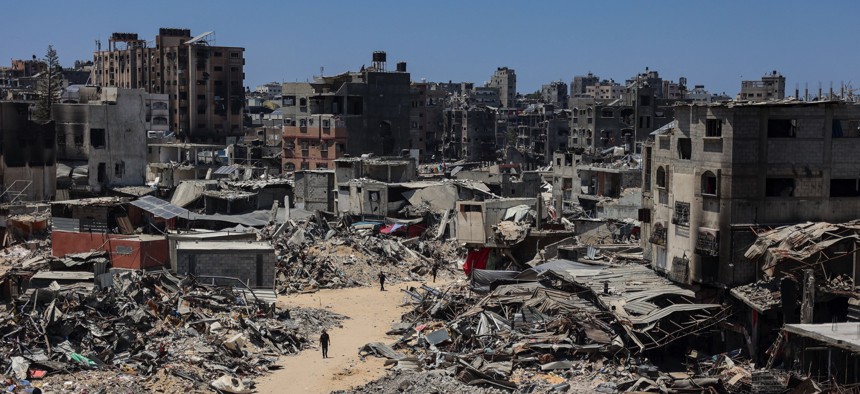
x=151 y=326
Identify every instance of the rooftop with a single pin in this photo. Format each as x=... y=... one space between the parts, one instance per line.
x=841 y=335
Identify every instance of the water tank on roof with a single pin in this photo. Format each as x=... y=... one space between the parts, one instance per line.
x=401 y=67
x=379 y=56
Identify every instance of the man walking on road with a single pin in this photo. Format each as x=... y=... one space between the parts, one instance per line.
x=433 y=272
x=381 y=281
x=324 y=342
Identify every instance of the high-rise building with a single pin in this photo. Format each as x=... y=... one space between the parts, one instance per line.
x=505 y=79
x=204 y=81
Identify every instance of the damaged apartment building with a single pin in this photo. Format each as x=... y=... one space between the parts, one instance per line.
x=352 y=113
x=204 y=82
x=601 y=121
x=726 y=172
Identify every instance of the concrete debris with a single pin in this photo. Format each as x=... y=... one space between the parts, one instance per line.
x=317 y=254
x=151 y=326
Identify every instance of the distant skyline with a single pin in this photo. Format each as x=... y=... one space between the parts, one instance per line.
x=716 y=44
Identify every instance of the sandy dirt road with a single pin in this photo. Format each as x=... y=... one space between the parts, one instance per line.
x=370 y=313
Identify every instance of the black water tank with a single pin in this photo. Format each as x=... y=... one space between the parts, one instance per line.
x=401 y=67
x=379 y=56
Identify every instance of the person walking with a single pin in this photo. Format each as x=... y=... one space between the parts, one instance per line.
x=381 y=281
x=433 y=271
x=324 y=342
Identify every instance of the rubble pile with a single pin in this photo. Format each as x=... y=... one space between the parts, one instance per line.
x=313 y=256
x=436 y=382
x=558 y=327
x=148 y=326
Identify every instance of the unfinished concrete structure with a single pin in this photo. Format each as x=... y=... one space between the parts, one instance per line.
x=726 y=170
x=204 y=81
x=352 y=113
x=28 y=156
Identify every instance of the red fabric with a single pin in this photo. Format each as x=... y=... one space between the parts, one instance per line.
x=476 y=259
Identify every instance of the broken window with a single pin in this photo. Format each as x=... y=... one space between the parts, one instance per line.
x=607 y=113
x=779 y=187
x=845 y=188
x=119 y=169
x=664 y=141
x=846 y=128
x=658 y=234
x=713 y=128
x=781 y=128
x=97 y=138
x=709 y=184
x=644 y=101
x=681 y=214
x=289 y=167
x=685 y=148
x=470 y=208
x=661 y=177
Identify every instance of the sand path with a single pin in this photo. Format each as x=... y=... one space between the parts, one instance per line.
x=370 y=313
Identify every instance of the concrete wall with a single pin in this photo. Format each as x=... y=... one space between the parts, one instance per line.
x=314 y=190
x=256 y=268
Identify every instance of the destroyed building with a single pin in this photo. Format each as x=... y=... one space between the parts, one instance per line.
x=170 y=163
x=425 y=117
x=352 y=113
x=505 y=180
x=470 y=133
x=28 y=155
x=204 y=81
x=601 y=187
x=542 y=129
x=598 y=124
x=728 y=170
x=101 y=139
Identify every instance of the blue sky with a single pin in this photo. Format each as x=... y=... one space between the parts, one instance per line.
x=715 y=43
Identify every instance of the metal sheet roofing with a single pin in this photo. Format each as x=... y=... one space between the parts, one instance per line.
x=159 y=207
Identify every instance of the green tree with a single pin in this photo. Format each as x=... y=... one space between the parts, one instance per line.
x=49 y=86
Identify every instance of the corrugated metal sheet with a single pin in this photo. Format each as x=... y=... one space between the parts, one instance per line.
x=66 y=224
